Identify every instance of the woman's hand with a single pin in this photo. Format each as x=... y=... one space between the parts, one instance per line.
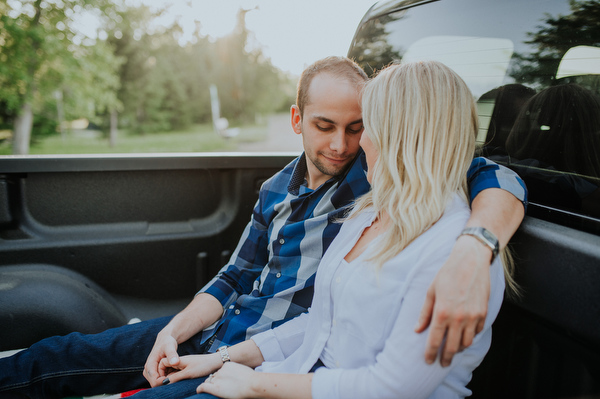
x=232 y=381
x=188 y=367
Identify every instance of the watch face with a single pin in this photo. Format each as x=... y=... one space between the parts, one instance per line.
x=491 y=239
x=488 y=236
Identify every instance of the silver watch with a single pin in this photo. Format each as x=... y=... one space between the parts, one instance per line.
x=224 y=354
x=486 y=237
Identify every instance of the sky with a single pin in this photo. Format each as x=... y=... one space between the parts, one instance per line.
x=293 y=34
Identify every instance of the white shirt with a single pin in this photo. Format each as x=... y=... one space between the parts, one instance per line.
x=361 y=323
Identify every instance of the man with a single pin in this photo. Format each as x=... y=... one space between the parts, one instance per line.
x=270 y=276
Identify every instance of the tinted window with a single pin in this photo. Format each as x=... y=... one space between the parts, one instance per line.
x=534 y=68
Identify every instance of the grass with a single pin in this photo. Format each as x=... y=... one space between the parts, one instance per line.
x=198 y=138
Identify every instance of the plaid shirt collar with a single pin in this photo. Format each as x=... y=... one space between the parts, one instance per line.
x=298 y=179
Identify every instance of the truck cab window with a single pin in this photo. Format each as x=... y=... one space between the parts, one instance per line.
x=536 y=81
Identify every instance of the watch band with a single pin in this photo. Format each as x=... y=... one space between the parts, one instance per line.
x=485 y=237
x=224 y=354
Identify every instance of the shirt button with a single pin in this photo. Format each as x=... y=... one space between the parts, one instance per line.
x=334 y=323
x=281 y=241
x=278 y=275
x=337 y=280
x=237 y=311
x=337 y=364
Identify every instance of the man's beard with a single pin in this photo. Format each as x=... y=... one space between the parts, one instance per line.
x=330 y=170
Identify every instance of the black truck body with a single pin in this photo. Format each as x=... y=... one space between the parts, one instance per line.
x=90 y=242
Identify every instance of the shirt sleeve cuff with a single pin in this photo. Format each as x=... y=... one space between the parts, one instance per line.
x=226 y=297
x=269 y=346
x=495 y=176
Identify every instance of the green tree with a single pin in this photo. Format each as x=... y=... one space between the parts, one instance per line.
x=371 y=48
x=555 y=36
x=162 y=80
x=165 y=83
x=247 y=81
x=43 y=57
x=168 y=97
x=128 y=35
x=198 y=70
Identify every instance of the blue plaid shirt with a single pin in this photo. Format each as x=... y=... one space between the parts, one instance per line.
x=270 y=276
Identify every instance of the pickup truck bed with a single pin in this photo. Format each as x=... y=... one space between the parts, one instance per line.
x=107 y=239
x=87 y=243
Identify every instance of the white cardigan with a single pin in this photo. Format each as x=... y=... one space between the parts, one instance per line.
x=361 y=323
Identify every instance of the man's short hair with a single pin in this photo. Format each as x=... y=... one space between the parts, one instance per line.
x=341 y=67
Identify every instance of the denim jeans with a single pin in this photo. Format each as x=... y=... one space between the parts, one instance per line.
x=85 y=365
x=179 y=390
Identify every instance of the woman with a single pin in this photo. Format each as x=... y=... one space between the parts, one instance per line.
x=420 y=127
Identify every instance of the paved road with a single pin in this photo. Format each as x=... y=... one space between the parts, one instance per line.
x=281 y=137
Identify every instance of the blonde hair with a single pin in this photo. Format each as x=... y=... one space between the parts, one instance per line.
x=422 y=120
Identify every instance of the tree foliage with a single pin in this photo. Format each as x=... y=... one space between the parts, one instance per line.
x=371 y=48
x=580 y=27
x=42 y=57
x=248 y=83
x=165 y=84
x=144 y=73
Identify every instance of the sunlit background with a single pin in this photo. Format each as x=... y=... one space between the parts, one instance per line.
x=88 y=76
x=292 y=33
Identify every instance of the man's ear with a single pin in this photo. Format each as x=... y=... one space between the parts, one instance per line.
x=296 y=119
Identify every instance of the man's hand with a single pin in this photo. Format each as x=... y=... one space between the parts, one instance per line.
x=456 y=302
x=164 y=351
x=203 y=311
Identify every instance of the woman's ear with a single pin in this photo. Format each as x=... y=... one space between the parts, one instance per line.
x=296 y=119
